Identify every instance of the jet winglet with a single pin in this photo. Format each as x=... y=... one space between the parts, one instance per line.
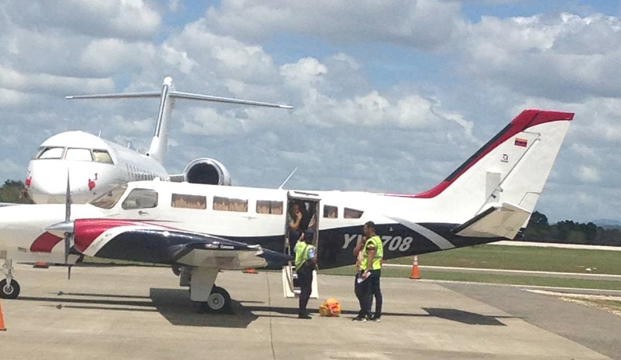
x=503 y=221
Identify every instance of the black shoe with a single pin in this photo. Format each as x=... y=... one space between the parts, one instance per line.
x=375 y=318
x=359 y=318
x=306 y=317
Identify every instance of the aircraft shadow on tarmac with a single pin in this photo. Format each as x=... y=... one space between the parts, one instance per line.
x=178 y=309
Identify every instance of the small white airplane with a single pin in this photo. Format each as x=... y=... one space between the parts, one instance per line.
x=205 y=228
x=97 y=165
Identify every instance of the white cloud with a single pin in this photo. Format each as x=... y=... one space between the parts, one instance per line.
x=422 y=24
x=588 y=174
x=127 y=19
x=563 y=57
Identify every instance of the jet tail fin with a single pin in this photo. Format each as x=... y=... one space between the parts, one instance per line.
x=503 y=221
x=159 y=143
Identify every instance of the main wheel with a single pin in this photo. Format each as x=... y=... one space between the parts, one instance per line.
x=219 y=301
x=9 y=291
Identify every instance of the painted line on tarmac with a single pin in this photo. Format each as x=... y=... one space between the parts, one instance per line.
x=517 y=272
x=526 y=287
x=556 y=245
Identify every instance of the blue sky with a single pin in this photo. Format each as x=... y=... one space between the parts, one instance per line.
x=389 y=96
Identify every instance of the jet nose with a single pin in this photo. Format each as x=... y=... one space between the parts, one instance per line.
x=47 y=182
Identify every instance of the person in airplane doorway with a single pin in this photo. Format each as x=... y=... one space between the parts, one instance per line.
x=368 y=280
x=305 y=263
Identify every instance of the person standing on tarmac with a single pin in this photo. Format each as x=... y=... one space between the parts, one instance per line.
x=305 y=264
x=370 y=273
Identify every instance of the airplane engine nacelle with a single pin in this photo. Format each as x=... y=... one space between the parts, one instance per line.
x=206 y=171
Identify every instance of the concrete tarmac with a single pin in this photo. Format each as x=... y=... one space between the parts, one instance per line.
x=141 y=313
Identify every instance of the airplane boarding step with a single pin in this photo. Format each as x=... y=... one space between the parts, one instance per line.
x=291 y=291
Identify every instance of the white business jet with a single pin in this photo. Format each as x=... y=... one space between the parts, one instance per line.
x=96 y=165
x=204 y=228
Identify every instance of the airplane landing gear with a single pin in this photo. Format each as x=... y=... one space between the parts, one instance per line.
x=219 y=301
x=9 y=288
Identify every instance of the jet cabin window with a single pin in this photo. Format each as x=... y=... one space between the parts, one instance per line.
x=189 y=201
x=79 y=155
x=330 y=212
x=140 y=199
x=269 y=207
x=109 y=199
x=226 y=204
x=50 y=153
x=353 y=214
x=102 y=156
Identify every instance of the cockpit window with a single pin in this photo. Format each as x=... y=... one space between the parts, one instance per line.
x=109 y=199
x=50 y=153
x=140 y=199
x=102 y=156
x=79 y=155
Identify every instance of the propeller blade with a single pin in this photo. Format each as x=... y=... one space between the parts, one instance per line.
x=68 y=220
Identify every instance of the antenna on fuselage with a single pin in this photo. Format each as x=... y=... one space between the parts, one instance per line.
x=167 y=97
x=287 y=179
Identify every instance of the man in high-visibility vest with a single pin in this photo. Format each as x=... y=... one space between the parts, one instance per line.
x=305 y=264
x=368 y=278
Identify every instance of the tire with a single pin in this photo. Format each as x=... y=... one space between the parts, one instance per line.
x=176 y=269
x=219 y=301
x=9 y=291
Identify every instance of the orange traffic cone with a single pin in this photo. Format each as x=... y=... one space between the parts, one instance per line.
x=250 y=271
x=2 y=328
x=415 y=273
x=41 y=265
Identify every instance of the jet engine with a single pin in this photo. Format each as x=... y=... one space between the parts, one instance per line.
x=206 y=171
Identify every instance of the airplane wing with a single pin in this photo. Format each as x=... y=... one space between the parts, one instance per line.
x=503 y=221
x=146 y=242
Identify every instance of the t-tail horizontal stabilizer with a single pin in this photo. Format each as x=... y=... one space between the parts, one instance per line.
x=503 y=221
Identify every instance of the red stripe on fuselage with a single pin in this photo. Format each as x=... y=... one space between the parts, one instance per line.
x=45 y=242
x=87 y=230
x=526 y=119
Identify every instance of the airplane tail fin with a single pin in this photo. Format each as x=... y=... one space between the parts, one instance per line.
x=167 y=95
x=512 y=168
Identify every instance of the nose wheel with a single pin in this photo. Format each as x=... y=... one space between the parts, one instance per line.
x=9 y=290
x=219 y=301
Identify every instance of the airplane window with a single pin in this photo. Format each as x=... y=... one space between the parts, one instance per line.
x=39 y=151
x=189 y=201
x=226 y=204
x=353 y=214
x=102 y=156
x=140 y=199
x=330 y=212
x=269 y=207
x=109 y=199
x=79 y=155
x=51 y=153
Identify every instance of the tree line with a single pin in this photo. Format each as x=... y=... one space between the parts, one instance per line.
x=539 y=229
x=569 y=232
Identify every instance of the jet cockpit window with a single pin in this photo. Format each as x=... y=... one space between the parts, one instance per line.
x=79 y=155
x=140 y=199
x=102 y=156
x=51 y=153
x=353 y=214
x=109 y=199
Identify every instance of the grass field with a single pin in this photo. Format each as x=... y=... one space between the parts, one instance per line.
x=524 y=258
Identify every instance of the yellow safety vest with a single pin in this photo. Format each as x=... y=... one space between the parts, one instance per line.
x=301 y=253
x=379 y=254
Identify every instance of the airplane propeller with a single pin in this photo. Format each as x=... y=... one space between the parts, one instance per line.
x=68 y=220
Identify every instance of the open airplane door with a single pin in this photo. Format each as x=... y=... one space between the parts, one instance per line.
x=310 y=207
